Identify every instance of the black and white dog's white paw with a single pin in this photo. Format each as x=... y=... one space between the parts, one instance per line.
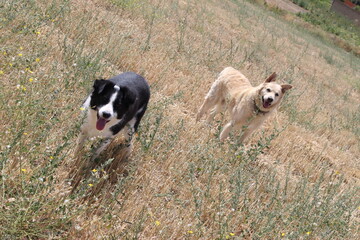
x=115 y=104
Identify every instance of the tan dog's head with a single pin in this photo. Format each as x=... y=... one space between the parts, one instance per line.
x=271 y=93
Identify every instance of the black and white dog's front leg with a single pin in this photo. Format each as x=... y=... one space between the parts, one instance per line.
x=130 y=133
x=127 y=122
x=101 y=147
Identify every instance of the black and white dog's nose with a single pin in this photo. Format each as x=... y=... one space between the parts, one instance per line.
x=105 y=115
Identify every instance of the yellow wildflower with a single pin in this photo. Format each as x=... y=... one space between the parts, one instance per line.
x=227 y=237
x=25 y=133
x=90 y=185
x=190 y=232
x=21 y=48
x=20 y=54
x=1 y=72
x=82 y=109
x=31 y=79
x=20 y=87
x=28 y=70
x=232 y=234
x=37 y=60
x=283 y=234
x=308 y=233
x=94 y=170
x=10 y=64
x=37 y=32
x=51 y=157
x=23 y=170
x=157 y=223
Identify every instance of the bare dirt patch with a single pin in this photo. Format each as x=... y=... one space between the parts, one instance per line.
x=287 y=6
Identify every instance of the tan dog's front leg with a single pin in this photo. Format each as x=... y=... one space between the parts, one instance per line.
x=245 y=134
x=248 y=130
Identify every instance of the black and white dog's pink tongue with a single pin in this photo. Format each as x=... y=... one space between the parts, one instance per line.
x=100 y=124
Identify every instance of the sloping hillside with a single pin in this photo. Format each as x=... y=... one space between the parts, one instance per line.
x=298 y=177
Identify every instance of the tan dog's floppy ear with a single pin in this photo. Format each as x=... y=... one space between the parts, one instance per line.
x=271 y=78
x=285 y=87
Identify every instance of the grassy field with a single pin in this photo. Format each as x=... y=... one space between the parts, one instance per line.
x=343 y=32
x=297 y=178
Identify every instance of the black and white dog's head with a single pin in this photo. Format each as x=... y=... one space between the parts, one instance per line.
x=115 y=105
x=110 y=101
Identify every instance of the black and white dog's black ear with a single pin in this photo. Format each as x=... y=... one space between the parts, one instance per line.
x=128 y=97
x=99 y=85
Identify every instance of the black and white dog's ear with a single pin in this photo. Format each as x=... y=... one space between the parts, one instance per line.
x=128 y=97
x=99 y=85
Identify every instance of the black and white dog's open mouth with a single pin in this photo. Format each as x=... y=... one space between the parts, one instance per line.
x=101 y=122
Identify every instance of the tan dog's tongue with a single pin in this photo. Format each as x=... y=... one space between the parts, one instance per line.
x=266 y=105
x=100 y=124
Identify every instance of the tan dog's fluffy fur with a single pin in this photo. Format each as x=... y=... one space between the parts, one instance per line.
x=248 y=106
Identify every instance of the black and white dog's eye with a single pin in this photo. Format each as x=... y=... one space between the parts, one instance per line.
x=93 y=107
x=276 y=94
x=268 y=90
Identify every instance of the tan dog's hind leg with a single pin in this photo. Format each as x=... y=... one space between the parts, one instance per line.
x=204 y=108
x=212 y=99
x=220 y=107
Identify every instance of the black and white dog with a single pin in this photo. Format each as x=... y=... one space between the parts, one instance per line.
x=113 y=105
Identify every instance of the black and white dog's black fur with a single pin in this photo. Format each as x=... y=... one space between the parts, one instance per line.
x=113 y=105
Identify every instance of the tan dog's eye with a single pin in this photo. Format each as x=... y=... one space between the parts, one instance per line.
x=268 y=90
x=276 y=94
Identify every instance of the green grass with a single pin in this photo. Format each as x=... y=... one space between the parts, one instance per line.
x=320 y=15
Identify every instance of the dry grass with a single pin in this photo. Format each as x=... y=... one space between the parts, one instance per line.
x=298 y=178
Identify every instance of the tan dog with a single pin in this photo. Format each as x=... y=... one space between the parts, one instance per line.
x=249 y=106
